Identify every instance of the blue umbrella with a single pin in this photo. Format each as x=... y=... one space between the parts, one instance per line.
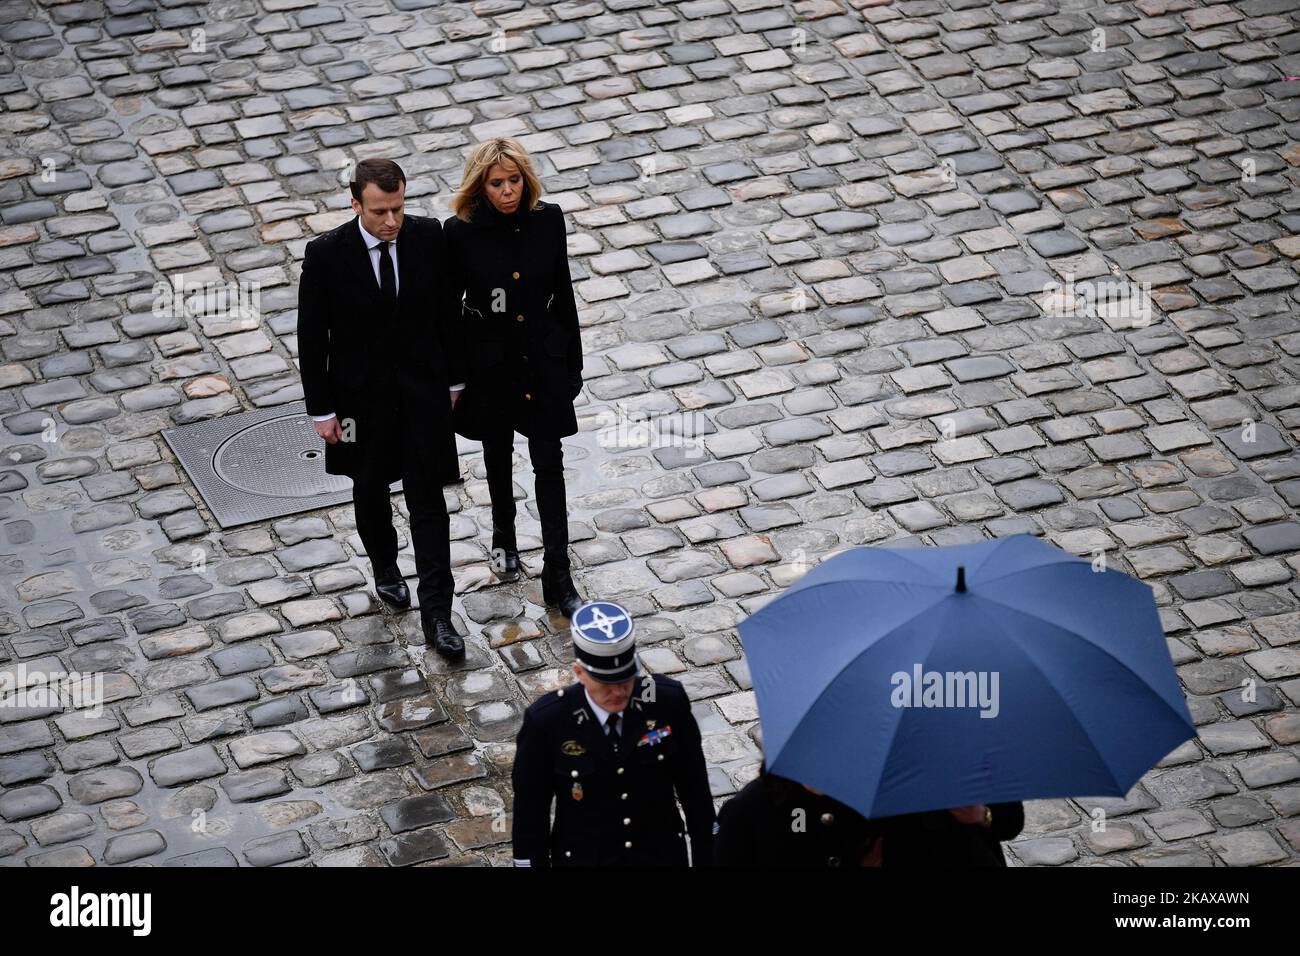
x=901 y=680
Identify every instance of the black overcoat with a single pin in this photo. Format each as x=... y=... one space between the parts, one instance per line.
x=612 y=809
x=358 y=357
x=519 y=322
x=775 y=822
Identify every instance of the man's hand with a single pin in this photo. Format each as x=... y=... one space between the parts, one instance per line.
x=455 y=395
x=329 y=430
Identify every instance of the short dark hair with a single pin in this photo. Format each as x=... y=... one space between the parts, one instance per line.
x=384 y=173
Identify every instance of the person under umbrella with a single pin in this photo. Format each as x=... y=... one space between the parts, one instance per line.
x=900 y=681
x=778 y=823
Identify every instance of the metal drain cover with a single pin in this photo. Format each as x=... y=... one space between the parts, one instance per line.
x=279 y=458
x=263 y=464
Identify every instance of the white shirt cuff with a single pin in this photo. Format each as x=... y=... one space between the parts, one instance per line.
x=322 y=418
x=456 y=388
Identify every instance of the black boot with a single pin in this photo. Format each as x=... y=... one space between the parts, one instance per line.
x=390 y=587
x=558 y=591
x=505 y=557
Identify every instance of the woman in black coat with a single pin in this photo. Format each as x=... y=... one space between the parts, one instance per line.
x=508 y=258
x=776 y=822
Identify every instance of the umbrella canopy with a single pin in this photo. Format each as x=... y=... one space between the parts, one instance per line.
x=901 y=680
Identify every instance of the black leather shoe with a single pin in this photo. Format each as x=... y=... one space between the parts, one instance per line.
x=505 y=563
x=561 y=593
x=392 y=590
x=439 y=632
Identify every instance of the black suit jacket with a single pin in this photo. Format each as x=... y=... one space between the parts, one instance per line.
x=519 y=322
x=356 y=355
x=612 y=809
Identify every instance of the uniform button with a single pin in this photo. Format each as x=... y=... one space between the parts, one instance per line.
x=627 y=845
x=519 y=318
x=627 y=821
x=620 y=770
x=567 y=854
x=828 y=818
x=515 y=274
x=833 y=861
x=528 y=396
x=623 y=796
x=573 y=773
x=661 y=756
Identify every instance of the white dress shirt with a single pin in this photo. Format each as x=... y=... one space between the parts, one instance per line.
x=601 y=713
x=374 y=250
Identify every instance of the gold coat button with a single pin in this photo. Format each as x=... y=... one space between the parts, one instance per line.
x=519 y=318
x=627 y=845
x=620 y=770
x=828 y=818
x=528 y=396
x=627 y=821
x=515 y=275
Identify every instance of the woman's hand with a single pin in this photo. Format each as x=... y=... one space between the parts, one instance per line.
x=976 y=815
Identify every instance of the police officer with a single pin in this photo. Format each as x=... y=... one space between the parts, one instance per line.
x=611 y=751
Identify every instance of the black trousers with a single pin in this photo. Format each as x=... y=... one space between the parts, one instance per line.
x=547 y=455
x=430 y=525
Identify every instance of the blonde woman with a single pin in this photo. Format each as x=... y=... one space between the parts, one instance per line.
x=508 y=276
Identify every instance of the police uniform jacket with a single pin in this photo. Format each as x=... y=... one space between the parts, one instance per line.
x=519 y=321
x=612 y=809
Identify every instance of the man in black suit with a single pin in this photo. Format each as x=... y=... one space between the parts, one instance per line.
x=615 y=753
x=381 y=372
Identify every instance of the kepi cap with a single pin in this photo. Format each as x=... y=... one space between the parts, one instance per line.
x=603 y=641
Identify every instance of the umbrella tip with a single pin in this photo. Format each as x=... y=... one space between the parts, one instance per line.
x=961 y=578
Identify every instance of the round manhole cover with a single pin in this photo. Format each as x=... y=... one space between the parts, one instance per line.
x=279 y=458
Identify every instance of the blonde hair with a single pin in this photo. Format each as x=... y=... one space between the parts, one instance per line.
x=481 y=159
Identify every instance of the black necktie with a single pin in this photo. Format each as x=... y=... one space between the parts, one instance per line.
x=387 y=274
x=611 y=728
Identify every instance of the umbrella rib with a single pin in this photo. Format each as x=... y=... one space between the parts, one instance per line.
x=898 y=722
x=1090 y=643
x=1062 y=627
x=1016 y=642
x=849 y=663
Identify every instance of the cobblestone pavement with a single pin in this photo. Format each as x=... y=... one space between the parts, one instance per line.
x=826 y=227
